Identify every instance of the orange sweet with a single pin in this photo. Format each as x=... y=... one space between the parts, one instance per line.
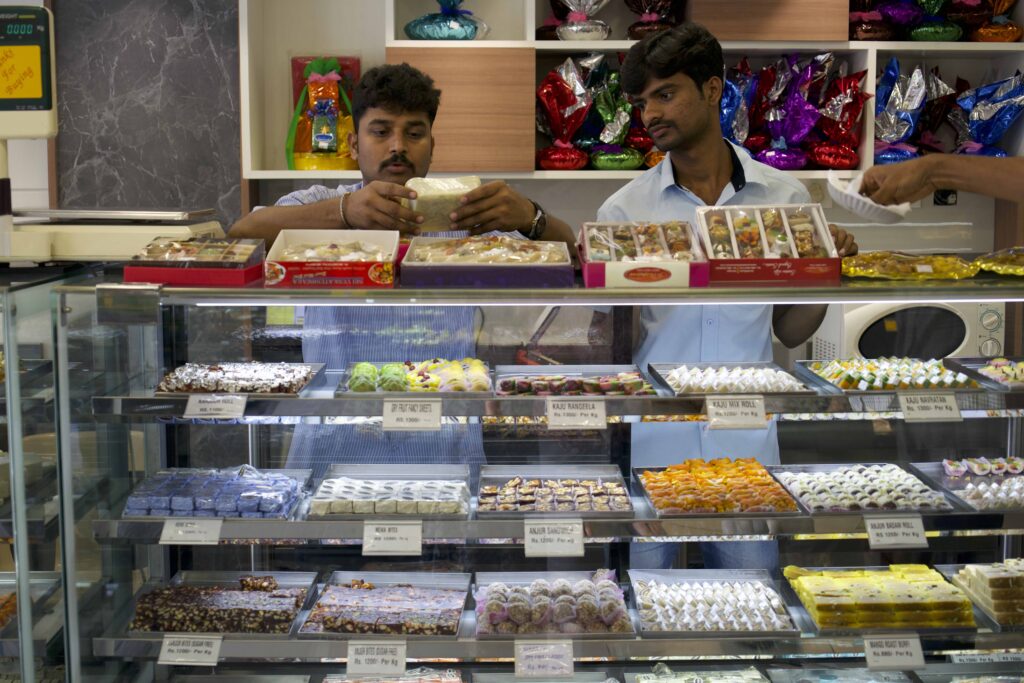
x=722 y=485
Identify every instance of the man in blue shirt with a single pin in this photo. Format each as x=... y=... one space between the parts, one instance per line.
x=675 y=79
x=393 y=109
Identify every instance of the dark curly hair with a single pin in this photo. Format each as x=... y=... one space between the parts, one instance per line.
x=688 y=48
x=396 y=88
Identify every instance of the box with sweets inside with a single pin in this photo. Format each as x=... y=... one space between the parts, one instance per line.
x=642 y=255
x=788 y=244
x=327 y=259
x=198 y=262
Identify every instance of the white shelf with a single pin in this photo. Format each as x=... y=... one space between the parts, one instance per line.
x=428 y=44
x=780 y=47
x=925 y=47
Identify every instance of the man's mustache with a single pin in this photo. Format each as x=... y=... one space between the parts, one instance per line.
x=397 y=159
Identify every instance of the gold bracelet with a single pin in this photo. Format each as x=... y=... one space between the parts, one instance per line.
x=341 y=210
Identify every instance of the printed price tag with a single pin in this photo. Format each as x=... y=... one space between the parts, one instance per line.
x=938 y=407
x=924 y=268
x=385 y=657
x=544 y=659
x=992 y=658
x=894 y=653
x=191 y=531
x=413 y=415
x=403 y=537
x=896 y=531
x=735 y=412
x=220 y=406
x=185 y=650
x=569 y=413
x=562 y=538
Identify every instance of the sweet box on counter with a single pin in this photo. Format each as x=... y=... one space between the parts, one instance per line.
x=198 y=262
x=498 y=261
x=326 y=259
x=787 y=244
x=641 y=255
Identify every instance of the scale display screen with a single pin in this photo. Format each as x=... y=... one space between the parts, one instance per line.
x=25 y=60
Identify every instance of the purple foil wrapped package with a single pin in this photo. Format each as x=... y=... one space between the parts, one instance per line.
x=784 y=159
x=903 y=13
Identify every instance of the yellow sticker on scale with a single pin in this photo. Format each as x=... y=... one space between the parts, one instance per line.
x=21 y=74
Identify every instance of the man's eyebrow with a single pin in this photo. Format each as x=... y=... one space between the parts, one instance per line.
x=381 y=122
x=416 y=124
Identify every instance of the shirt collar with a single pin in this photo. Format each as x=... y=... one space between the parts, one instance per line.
x=745 y=170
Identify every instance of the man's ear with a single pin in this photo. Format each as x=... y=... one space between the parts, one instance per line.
x=712 y=89
x=353 y=146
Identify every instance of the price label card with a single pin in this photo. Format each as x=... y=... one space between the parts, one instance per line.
x=413 y=415
x=937 y=407
x=561 y=538
x=211 y=406
x=992 y=658
x=186 y=650
x=895 y=531
x=191 y=531
x=401 y=537
x=736 y=412
x=379 y=657
x=894 y=653
x=544 y=659
x=569 y=413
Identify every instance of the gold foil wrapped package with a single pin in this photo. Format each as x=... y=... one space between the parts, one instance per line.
x=653 y=158
x=1005 y=261
x=998 y=32
x=894 y=265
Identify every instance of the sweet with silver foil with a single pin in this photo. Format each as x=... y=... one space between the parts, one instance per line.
x=579 y=25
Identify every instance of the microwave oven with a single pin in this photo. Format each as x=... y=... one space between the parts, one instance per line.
x=933 y=330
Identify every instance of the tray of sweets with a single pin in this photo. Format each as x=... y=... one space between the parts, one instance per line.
x=982 y=484
x=641 y=242
x=666 y=601
x=552 y=491
x=468 y=378
x=996 y=589
x=882 y=599
x=689 y=672
x=279 y=380
x=864 y=488
x=571 y=380
x=393 y=492
x=1001 y=374
x=769 y=487
x=745 y=378
x=869 y=377
x=418 y=675
x=578 y=604
x=836 y=675
x=257 y=604
x=241 y=491
x=412 y=605
x=762 y=232
x=200 y=252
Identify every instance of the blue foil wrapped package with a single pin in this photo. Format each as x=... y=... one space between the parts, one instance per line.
x=898 y=118
x=893 y=153
x=451 y=23
x=992 y=108
x=731 y=101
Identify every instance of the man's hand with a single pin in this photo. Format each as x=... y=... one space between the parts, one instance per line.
x=377 y=207
x=845 y=243
x=907 y=181
x=494 y=206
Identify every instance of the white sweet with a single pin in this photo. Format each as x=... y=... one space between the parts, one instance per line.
x=344 y=495
x=711 y=606
x=694 y=380
x=862 y=487
x=995 y=495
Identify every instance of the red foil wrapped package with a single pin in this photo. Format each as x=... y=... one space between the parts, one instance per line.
x=840 y=120
x=757 y=141
x=638 y=139
x=563 y=102
x=833 y=155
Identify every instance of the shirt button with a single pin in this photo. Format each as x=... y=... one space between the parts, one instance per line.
x=710 y=323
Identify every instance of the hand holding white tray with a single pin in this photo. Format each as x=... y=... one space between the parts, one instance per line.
x=847 y=195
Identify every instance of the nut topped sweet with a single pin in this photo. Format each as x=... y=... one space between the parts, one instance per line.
x=391 y=610
x=555 y=495
x=237 y=378
x=722 y=485
x=862 y=487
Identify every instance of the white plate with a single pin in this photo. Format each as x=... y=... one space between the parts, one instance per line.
x=847 y=195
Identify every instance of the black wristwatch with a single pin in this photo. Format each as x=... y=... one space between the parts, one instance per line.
x=539 y=223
